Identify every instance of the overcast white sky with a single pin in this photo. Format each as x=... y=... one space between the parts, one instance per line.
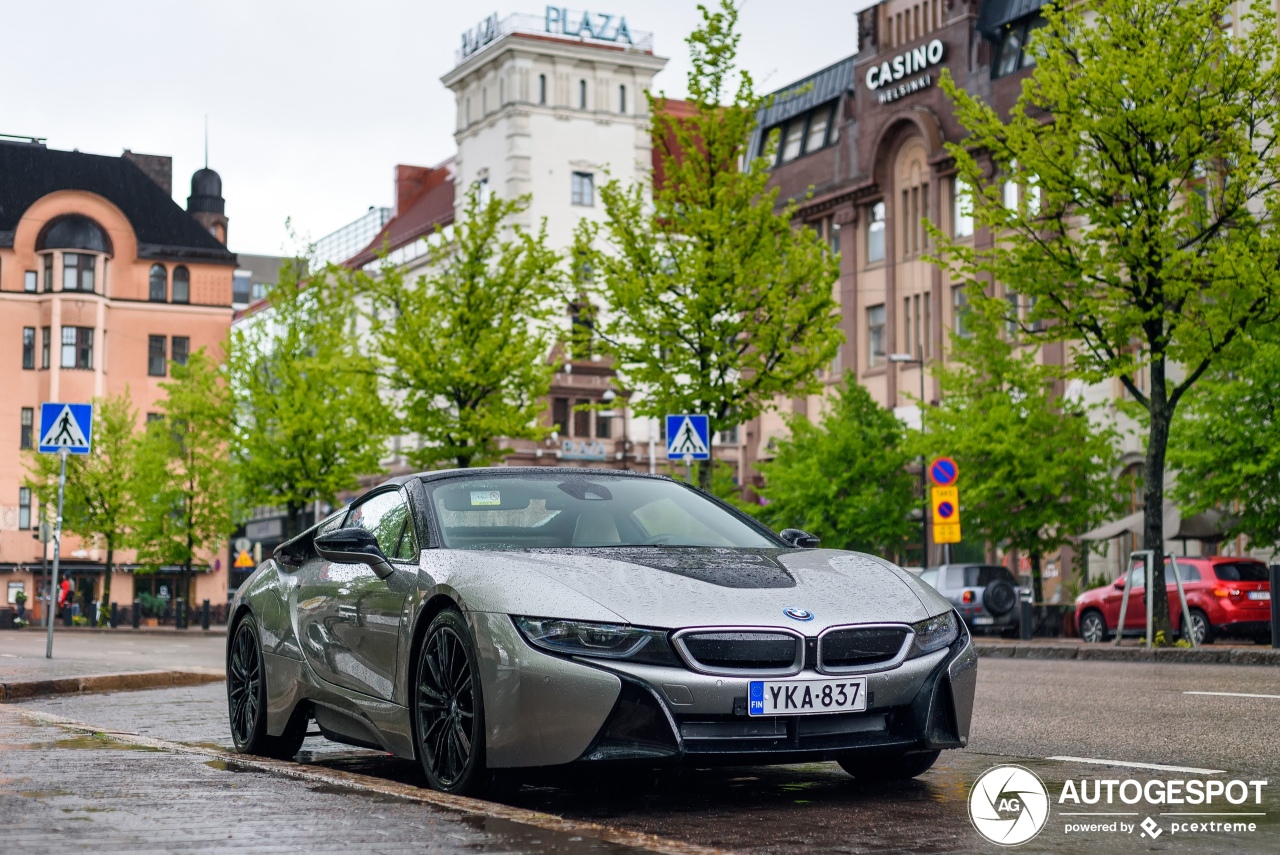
x=311 y=103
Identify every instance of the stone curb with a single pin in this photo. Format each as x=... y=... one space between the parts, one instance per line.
x=367 y=784
x=15 y=690
x=1107 y=653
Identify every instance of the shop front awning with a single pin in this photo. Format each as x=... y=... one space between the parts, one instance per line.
x=1210 y=525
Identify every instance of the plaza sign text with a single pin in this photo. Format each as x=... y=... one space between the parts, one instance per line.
x=480 y=35
x=887 y=73
x=601 y=28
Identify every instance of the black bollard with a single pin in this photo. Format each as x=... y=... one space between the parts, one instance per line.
x=1275 y=606
x=136 y=614
x=1025 y=615
x=204 y=615
x=68 y=615
x=115 y=616
x=180 y=614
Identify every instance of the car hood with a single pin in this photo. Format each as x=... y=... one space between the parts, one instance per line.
x=681 y=587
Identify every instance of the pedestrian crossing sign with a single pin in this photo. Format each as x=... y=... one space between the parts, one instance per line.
x=68 y=426
x=688 y=435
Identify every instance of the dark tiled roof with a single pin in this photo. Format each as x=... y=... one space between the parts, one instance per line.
x=431 y=210
x=164 y=230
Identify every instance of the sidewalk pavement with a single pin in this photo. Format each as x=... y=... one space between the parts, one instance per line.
x=1131 y=650
x=102 y=660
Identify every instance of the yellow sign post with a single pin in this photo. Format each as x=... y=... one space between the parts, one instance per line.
x=946 y=514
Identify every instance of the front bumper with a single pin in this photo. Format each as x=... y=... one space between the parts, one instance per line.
x=670 y=715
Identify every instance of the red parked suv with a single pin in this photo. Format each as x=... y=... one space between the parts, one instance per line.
x=1225 y=595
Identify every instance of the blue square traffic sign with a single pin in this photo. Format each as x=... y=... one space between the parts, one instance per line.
x=68 y=426
x=688 y=435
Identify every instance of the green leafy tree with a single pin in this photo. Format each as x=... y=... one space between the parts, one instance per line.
x=1145 y=146
x=1225 y=445
x=714 y=302
x=466 y=347
x=309 y=419
x=844 y=479
x=99 y=500
x=183 y=468
x=1036 y=471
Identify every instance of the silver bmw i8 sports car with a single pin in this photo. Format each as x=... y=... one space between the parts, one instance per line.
x=487 y=621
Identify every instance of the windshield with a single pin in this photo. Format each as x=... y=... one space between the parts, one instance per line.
x=590 y=510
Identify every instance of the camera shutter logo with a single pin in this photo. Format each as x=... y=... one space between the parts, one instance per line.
x=1009 y=805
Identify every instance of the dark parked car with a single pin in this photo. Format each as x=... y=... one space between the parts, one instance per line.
x=985 y=595
x=1225 y=596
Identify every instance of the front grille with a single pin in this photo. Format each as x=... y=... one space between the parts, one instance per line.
x=741 y=650
x=860 y=648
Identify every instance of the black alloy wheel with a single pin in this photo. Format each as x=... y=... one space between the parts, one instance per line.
x=449 y=710
x=247 y=700
x=1093 y=629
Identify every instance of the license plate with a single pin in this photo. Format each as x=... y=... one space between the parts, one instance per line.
x=807 y=697
x=983 y=620
x=1259 y=595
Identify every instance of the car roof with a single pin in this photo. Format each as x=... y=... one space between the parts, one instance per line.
x=438 y=474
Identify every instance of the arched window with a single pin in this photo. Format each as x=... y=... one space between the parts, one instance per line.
x=913 y=187
x=73 y=231
x=582 y=94
x=159 y=283
x=181 y=285
x=542 y=88
x=622 y=99
x=875 y=233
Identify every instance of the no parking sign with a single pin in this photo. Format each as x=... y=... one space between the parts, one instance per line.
x=945 y=497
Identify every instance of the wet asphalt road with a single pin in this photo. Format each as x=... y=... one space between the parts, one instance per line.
x=1026 y=711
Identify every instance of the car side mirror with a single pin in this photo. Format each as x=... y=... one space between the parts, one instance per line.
x=354 y=545
x=799 y=539
x=1118 y=584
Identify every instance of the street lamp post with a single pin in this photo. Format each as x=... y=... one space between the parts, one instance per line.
x=918 y=359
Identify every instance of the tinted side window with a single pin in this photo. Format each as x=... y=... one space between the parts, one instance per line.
x=408 y=550
x=1185 y=571
x=384 y=515
x=1242 y=571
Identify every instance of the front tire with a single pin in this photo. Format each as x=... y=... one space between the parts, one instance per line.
x=247 y=699
x=896 y=767
x=448 y=709
x=1093 y=627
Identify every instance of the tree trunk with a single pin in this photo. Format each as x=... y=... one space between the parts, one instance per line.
x=705 y=471
x=1037 y=584
x=104 y=609
x=1153 y=533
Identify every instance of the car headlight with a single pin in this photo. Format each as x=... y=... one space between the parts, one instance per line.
x=603 y=640
x=934 y=634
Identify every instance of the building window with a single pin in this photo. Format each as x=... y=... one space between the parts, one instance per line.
x=77 y=347
x=581 y=419
x=484 y=100
x=875 y=233
x=24 y=507
x=959 y=311
x=159 y=283
x=28 y=421
x=793 y=140
x=816 y=138
x=962 y=208
x=30 y=281
x=582 y=94
x=28 y=348
x=155 y=355
x=1011 y=53
x=240 y=287
x=181 y=349
x=181 y=285
x=154 y=417
x=584 y=189
x=875 y=336
x=622 y=100
x=45 y=335
x=729 y=436
x=542 y=88
x=48 y=272
x=257 y=291
x=77 y=272
x=604 y=426
x=1010 y=194
x=560 y=415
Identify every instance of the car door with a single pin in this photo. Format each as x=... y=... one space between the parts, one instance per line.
x=1136 y=616
x=349 y=617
